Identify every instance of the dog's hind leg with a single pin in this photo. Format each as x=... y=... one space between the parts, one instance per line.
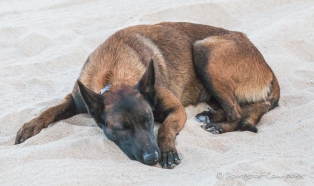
x=251 y=114
x=233 y=71
x=69 y=106
x=232 y=111
x=213 y=64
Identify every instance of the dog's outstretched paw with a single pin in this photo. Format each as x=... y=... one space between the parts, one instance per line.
x=169 y=159
x=212 y=128
x=28 y=130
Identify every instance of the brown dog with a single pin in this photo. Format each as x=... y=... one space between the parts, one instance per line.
x=148 y=73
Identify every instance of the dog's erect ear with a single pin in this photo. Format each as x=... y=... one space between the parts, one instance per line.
x=94 y=102
x=146 y=85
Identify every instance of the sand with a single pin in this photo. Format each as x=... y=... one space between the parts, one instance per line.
x=43 y=45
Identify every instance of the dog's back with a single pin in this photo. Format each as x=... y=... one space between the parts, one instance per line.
x=123 y=58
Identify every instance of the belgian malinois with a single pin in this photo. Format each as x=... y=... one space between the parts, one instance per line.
x=148 y=73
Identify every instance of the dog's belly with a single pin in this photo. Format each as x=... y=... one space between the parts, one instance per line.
x=194 y=93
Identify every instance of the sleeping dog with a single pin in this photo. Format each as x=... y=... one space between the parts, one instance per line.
x=147 y=73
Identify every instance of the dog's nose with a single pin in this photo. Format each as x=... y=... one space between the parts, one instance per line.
x=151 y=158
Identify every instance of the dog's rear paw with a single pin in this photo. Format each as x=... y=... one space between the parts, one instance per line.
x=203 y=117
x=213 y=128
x=27 y=130
x=169 y=159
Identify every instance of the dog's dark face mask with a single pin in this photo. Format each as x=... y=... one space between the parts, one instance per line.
x=125 y=114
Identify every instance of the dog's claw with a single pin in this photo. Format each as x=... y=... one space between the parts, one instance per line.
x=18 y=139
x=211 y=110
x=169 y=159
x=213 y=128
x=176 y=159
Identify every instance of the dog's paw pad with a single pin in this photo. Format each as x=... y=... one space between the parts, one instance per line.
x=202 y=119
x=212 y=128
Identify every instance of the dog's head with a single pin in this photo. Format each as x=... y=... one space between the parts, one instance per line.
x=125 y=114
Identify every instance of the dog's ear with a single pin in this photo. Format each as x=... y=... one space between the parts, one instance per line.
x=94 y=102
x=146 y=85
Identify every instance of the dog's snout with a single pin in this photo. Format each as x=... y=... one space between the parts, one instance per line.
x=151 y=158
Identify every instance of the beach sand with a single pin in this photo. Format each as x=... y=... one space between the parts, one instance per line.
x=44 y=44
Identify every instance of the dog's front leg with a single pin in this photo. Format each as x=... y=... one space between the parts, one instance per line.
x=173 y=123
x=63 y=110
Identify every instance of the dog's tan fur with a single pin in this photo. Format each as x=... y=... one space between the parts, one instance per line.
x=237 y=57
x=193 y=63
